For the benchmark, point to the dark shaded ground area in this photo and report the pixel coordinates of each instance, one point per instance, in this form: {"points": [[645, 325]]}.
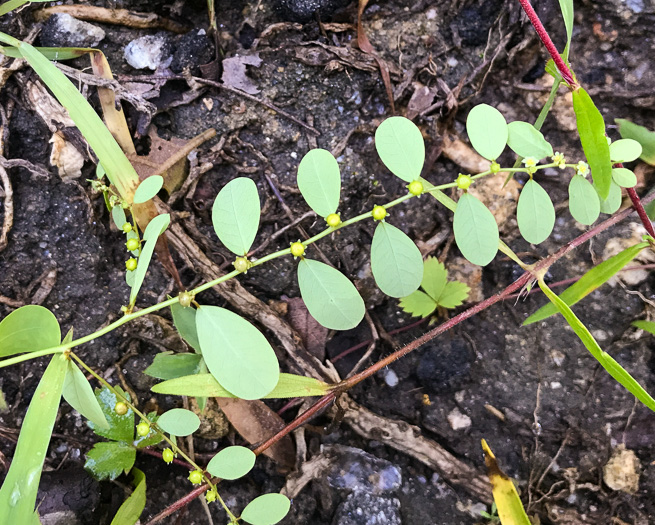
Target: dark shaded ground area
{"points": [[551, 415]]}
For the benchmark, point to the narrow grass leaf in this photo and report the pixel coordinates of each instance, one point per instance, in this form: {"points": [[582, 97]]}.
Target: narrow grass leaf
{"points": [[109, 460], [78, 393], [418, 304], [205, 385], [476, 231], [19, 489], [525, 140], [589, 282], [179, 422], [232, 463], [169, 366], [184, 319], [645, 137], [235, 215], [584, 202], [591, 127], [131, 509], [155, 228], [329, 296], [624, 177], [396, 262], [606, 361], [535, 213], [401, 148], [487, 131], [613, 201], [267, 509], [9, 6], [566, 6], [28, 329], [319, 181], [236, 353], [649, 326], [121, 428], [508, 503], [625, 150], [148, 188]]}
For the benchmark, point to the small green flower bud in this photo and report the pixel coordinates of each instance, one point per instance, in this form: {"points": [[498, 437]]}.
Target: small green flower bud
{"points": [[333, 220], [463, 181], [495, 167], [130, 264], [127, 227], [297, 249], [132, 244], [195, 477], [185, 299], [241, 264], [210, 495], [143, 429], [167, 455], [120, 408], [379, 213], [415, 187]]}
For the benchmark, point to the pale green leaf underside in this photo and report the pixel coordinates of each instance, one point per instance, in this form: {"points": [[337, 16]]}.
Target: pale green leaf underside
{"points": [[118, 216], [329, 296], [487, 131], [169, 366], [535, 213], [319, 181], [613, 201], [584, 202], [401, 148], [78, 393], [148, 188], [236, 353], [205, 385], [396, 262], [591, 280], [235, 215], [232, 463], [624, 177], [476, 231], [184, 319], [155, 228], [644, 136], [267, 509], [28, 329], [525, 140], [19, 489], [418, 304], [625, 150], [179, 422]]}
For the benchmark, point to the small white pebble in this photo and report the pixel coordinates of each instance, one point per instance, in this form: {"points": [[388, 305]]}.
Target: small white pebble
{"points": [[391, 378]]}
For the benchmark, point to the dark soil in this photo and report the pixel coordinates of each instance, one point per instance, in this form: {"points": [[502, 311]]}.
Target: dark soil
{"points": [[552, 416]]}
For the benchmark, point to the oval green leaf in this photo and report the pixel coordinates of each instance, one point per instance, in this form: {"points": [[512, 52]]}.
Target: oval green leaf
{"points": [[155, 228], [184, 319], [78, 393], [487, 131], [28, 329], [591, 127], [625, 150], [396, 262], [644, 136], [319, 181], [148, 188], [179, 422], [535, 213], [267, 509], [236, 353], [232, 463], [170, 366], [205, 385], [401, 148], [329, 296], [613, 201], [235, 215], [624, 177], [118, 216], [584, 202], [476, 231], [525, 140]]}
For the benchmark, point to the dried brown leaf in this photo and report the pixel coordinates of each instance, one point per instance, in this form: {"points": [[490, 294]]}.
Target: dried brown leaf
{"points": [[313, 334]]}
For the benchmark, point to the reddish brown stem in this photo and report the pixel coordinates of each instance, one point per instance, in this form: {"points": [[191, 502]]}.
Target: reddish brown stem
{"points": [[645, 220], [550, 47], [180, 503]]}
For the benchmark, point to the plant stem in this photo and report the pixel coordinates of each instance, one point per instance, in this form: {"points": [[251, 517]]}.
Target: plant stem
{"points": [[548, 43], [637, 204]]}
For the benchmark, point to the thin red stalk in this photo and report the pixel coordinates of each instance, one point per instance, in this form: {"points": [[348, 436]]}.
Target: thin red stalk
{"points": [[645, 220], [157, 454], [548, 43], [345, 385]]}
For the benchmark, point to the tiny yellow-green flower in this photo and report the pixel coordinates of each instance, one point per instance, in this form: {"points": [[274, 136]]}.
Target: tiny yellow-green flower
{"points": [[297, 249], [379, 213]]}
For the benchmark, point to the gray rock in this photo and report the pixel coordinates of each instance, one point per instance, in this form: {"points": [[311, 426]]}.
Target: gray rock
{"points": [[366, 509], [148, 51], [357, 471], [62, 30]]}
